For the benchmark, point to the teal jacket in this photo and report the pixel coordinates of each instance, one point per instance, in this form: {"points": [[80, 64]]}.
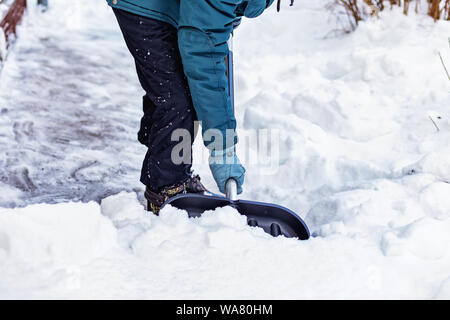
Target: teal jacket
{"points": [[204, 27], [163, 10]]}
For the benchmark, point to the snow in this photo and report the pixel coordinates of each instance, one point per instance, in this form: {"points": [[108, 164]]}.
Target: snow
{"points": [[360, 159], [4, 7], [66, 114]]}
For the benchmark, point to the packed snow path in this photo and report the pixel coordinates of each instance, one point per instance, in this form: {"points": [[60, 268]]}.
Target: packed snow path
{"points": [[364, 156], [70, 109]]}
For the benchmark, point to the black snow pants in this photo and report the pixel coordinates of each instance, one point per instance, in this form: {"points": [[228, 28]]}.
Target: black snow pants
{"points": [[167, 103]]}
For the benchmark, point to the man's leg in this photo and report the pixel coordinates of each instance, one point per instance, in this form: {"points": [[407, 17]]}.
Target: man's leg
{"points": [[146, 121], [167, 103]]}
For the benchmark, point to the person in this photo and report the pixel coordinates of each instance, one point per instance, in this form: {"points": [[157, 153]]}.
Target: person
{"points": [[179, 48]]}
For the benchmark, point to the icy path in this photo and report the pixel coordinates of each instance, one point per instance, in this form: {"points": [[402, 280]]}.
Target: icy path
{"points": [[69, 110], [360, 158]]}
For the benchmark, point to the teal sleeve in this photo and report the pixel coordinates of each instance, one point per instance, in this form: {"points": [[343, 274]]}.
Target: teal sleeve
{"points": [[204, 29]]}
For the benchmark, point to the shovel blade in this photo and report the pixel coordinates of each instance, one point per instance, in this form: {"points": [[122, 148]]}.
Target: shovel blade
{"points": [[197, 204], [273, 219]]}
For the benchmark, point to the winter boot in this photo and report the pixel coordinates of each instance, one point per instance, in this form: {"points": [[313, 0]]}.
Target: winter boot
{"points": [[156, 199]]}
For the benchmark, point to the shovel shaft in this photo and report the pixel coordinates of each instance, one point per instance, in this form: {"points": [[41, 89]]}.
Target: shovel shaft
{"points": [[230, 70], [231, 189], [231, 185]]}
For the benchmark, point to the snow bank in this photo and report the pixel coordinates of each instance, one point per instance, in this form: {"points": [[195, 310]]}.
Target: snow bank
{"points": [[64, 233], [77, 253], [360, 154]]}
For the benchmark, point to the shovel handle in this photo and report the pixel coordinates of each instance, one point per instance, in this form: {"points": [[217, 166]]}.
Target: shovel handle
{"points": [[231, 184], [231, 189]]}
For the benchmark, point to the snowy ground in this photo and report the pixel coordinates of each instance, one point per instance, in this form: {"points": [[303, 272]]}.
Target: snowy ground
{"points": [[69, 110], [4, 6], [361, 160]]}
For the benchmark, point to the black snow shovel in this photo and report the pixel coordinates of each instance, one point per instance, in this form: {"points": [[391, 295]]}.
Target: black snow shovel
{"points": [[273, 219]]}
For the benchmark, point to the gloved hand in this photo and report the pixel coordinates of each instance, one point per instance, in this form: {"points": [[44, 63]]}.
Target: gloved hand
{"points": [[224, 164], [253, 8]]}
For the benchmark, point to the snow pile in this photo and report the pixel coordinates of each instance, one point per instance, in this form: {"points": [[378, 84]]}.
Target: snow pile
{"points": [[364, 157], [73, 251], [358, 117], [64, 233]]}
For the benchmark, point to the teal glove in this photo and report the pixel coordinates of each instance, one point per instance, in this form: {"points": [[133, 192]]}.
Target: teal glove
{"points": [[253, 8], [225, 164]]}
